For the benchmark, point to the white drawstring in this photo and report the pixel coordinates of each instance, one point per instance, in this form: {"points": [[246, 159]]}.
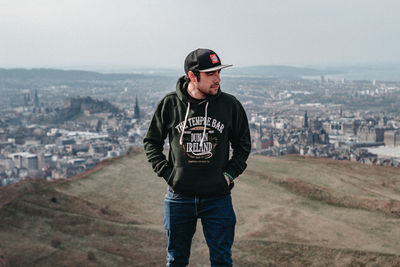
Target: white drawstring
{"points": [[205, 125], [184, 124]]}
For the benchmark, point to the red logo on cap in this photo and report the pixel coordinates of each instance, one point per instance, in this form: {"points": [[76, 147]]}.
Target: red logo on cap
{"points": [[214, 58]]}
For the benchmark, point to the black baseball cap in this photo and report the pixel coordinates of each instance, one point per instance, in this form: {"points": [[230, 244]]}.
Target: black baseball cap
{"points": [[203, 60]]}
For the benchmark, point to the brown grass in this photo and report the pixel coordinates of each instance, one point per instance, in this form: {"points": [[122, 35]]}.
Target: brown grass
{"points": [[291, 211], [387, 206]]}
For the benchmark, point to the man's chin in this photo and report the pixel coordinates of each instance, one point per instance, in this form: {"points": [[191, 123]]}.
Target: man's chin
{"points": [[213, 91]]}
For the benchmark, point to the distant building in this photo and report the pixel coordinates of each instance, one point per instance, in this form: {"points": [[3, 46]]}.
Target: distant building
{"points": [[305, 120], [65, 141], [27, 97], [137, 109], [30, 162], [316, 124], [25, 160], [367, 133], [36, 100], [44, 161], [100, 148], [336, 127], [298, 121], [392, 138]]}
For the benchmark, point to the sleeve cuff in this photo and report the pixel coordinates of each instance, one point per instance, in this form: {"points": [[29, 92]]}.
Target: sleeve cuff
{"points": [[229, 176]]}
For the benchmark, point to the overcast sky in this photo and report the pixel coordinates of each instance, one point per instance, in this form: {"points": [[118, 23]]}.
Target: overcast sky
{"points": [[62, 33]]}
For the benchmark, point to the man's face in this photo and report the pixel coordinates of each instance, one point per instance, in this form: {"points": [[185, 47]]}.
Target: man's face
{"points": [[209, 82]]}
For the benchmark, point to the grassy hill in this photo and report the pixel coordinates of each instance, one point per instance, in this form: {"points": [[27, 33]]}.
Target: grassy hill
{"points": [[291, 211]]}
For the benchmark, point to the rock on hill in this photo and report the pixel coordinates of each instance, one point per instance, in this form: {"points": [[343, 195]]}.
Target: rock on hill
{"points": [[291, 211], [81, 106]]}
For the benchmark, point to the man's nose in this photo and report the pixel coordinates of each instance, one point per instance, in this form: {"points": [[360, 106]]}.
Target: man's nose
{"points": [[217, 76]]}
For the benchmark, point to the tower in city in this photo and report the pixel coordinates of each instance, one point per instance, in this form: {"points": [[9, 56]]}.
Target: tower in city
{"points": [[305, 120], [137, 109], [36, 100]]}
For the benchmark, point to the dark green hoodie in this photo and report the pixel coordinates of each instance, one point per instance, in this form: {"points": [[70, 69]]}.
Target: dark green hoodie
{"points": [[198, 155]]}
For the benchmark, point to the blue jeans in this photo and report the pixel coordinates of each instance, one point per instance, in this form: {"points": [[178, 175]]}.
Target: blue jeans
{"points": [[217, 217]]}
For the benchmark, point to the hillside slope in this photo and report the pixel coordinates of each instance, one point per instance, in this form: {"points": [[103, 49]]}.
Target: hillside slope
{"points": [[290, 211]]}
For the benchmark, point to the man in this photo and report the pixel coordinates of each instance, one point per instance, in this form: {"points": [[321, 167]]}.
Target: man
{"points": [[201, 123]]}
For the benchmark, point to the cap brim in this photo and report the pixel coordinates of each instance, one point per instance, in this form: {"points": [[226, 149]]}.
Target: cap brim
{"points": [[216, 68]]}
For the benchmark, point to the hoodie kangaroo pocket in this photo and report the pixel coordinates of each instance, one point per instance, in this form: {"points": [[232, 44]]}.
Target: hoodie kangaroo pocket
{"points": [[199, 181]]}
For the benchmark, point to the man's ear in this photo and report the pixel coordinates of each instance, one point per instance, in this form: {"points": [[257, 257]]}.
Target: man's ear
{"points": [[192, 77]]}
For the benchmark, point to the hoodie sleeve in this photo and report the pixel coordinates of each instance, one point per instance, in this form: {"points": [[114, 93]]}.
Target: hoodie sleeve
{"points": [[154, 141], [240, 142]]}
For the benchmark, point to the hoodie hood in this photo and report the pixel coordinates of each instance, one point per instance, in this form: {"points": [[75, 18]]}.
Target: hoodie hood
{"points": [[183, 95]]}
